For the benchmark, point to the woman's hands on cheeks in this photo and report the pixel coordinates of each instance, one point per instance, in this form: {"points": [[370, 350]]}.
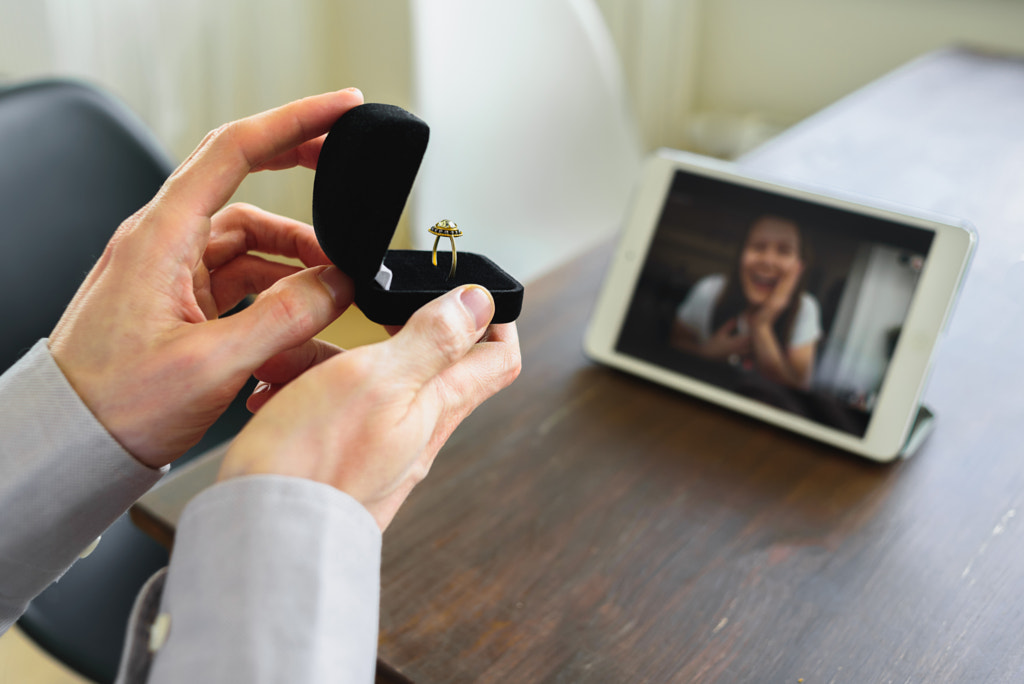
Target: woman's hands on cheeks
{"points": [[141, 341], [371, 420], [776, 361], [767, 313]]}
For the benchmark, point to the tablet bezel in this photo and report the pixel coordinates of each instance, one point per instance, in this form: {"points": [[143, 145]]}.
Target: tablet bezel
{"points": [[901, 389]]}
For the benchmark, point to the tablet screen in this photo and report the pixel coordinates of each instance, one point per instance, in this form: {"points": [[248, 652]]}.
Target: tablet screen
{"points": [[793, 304]]}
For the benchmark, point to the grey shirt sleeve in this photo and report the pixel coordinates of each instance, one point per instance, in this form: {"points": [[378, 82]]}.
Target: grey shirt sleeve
{"points": [[698, 307], [63, 479], [272, 579]]}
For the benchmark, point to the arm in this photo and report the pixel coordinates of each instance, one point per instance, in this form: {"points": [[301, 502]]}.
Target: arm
{"points": [[143, 347], [141, 356], [53, 450], [793, 368], [683, 338], [691, 328], [275, 574], [271, 579], [719, 347]]}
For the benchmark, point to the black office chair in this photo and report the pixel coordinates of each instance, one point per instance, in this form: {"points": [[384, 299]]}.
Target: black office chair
{"points": [[74, 163]]}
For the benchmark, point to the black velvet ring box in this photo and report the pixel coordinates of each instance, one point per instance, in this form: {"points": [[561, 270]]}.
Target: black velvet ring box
{"points": [[363, 178]]}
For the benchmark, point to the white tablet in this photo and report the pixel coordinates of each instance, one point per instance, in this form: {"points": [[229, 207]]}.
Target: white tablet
{"points": [[815, 313]]}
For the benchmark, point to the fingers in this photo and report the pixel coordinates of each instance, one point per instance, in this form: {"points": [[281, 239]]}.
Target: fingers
{"points": [[243, 276], [370, 422], [208, 178], [742, 345], [488, 367], [285, 316], [439, 334], [285, 367], [242, 228], [784, 289], [727, 328], [291, 363], [305, 155], [489, 364], [263, 393]]}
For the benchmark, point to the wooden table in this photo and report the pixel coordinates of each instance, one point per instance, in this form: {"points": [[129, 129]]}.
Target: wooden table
{"points": [[588, 526]]}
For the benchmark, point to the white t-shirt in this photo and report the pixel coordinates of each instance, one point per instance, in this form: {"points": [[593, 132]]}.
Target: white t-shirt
{"points": [[698, 308]]}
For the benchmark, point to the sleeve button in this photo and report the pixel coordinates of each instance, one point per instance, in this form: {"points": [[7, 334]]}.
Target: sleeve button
{"points": [[159, 631], [90, 548]]}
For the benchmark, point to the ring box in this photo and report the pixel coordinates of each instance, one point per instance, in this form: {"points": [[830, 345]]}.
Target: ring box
{"points": [[365, 172]]}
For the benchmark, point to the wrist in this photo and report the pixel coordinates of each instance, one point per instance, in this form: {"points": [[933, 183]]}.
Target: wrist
{"points": [[126, 417], [762, 321]]}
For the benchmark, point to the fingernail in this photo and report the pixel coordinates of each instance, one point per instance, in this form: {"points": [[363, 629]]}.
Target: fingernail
{"points": [[260, 388], [478, 302], [354, 91], [336, 283]]}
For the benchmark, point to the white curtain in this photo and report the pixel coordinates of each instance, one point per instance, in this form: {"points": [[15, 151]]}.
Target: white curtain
{"points": [[659, 44], [877, 297], [185, 66]]}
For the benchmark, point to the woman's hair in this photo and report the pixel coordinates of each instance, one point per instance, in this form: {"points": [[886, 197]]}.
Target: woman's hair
{"points": [[732, 302]]}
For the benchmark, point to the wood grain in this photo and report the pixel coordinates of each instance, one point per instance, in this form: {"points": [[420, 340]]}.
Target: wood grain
{"points": [[585, 525]]}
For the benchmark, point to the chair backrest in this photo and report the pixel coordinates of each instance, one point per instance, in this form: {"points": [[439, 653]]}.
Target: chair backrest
{"points": [[533, 151], [74, 163]]}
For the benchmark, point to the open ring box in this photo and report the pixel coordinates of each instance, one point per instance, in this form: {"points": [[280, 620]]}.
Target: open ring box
{"points": [[365, 172]]}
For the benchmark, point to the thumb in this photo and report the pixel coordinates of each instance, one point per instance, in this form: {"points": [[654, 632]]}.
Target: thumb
{"points": [[286, 315], [441, 333]]}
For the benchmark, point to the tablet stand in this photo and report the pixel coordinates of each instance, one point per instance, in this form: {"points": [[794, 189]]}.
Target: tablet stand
{"points": [[924, 421]]}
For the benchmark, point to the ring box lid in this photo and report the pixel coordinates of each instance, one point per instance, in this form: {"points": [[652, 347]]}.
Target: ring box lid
{"points": [[364, 175]]}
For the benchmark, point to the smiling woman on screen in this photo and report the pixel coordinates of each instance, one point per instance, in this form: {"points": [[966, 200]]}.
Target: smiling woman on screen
{"points": [[759, 317]]}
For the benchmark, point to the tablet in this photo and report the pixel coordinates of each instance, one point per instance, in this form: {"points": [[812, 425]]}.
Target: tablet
{"points": [[813, 312]]}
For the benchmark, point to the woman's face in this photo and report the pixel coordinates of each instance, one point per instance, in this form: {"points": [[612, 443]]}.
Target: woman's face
{"points": [[771, 252]]}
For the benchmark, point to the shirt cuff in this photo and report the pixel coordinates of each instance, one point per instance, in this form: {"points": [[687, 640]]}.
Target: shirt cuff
{"points": [[63, 478], [272, 578]]}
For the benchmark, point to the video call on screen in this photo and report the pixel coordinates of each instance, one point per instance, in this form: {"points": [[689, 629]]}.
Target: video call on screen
{"points": [[789, 303]]}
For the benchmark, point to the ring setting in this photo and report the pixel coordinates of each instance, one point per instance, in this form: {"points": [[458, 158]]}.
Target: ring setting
{"points": [[449, 230]]}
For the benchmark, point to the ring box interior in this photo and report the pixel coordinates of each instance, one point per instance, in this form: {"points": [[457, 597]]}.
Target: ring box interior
{"points": [[366, 169]]}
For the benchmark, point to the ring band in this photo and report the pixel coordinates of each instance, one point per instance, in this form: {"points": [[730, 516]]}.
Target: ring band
{"points": [[451, 231]]}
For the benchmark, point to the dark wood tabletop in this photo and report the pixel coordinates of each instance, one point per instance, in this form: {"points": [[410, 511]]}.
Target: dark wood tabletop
{"points": [[588, 526]]}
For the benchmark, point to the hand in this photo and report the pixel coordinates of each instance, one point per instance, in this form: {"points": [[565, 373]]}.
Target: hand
{"points": [[141, 341], [766, 314], [370, 421], [726, 342]]}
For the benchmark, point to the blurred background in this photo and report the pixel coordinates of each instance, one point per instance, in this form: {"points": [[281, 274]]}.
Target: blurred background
{"points": [[712, 76]]}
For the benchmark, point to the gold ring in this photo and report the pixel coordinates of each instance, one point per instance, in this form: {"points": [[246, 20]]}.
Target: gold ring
{"points": [[451, 231]]}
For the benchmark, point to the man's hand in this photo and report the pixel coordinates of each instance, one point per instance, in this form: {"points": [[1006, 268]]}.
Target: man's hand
{"points": [[370, 421], [142, 343]]}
